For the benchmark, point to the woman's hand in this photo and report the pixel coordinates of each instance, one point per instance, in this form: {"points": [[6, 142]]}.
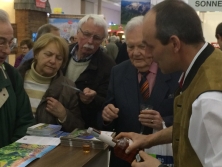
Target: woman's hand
{"points": [[56, 108]]}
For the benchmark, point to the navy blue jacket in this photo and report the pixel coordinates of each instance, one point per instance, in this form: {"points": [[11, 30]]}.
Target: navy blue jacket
{"points": [[124, 93]]}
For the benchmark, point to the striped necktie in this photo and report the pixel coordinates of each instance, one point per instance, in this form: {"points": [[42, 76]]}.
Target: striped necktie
{"points": [[144, 86]]}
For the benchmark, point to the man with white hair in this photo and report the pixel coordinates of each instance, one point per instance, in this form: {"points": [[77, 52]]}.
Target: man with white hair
{"points": [[89, 67], [15, 110], [136, 83], [112, 49]]}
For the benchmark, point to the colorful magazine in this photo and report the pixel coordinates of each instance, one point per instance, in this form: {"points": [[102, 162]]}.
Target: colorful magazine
{"points": [[43, 129], [77, 137], [21, 153]]}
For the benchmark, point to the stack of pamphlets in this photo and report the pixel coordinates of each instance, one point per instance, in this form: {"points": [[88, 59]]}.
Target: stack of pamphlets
{"points": [[79, 136], [26, 149], [42, 129]]}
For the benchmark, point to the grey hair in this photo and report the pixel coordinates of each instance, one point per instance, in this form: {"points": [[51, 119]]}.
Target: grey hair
{"points": [[112, 39], [46, 28], [134, 22], [97, 19], [4, 16]]}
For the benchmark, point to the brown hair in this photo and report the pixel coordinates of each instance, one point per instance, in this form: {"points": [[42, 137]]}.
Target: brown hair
{"points": [[27, 42], [46, 28]]}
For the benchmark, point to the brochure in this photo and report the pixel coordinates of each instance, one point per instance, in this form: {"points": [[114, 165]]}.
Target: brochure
{"points": [[25, 150]]}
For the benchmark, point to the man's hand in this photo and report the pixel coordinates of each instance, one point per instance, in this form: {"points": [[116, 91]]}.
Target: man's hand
{"points": [[149, 161], [146, 141], [56, 108], [139, 141], [110, 112], [87, 96], [151, 118]]}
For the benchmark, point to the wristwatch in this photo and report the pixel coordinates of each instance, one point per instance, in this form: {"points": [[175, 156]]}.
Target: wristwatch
{"points": [[162, 165]]}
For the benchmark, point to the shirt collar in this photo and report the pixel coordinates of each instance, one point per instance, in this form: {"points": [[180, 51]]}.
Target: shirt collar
{"points": [[192, 62], [153, 68], [75, 57]]}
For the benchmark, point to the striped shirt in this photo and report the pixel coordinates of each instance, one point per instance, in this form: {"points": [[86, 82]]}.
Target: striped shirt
{"points": [[35, 86]]}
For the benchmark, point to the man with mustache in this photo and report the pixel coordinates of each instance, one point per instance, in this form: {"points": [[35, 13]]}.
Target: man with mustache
{"points": [[89, 67]]}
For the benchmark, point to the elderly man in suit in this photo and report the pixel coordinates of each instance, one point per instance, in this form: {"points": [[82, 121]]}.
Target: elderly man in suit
{"points": [[123, 111]]}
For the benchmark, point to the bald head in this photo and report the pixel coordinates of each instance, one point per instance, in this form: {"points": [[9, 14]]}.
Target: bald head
{"points": [[6, 36], [176, 18], [4, 17]]}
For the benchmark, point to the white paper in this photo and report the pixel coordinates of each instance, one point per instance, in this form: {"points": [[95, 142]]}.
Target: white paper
{"points": [[39, 140], [108, 133]]}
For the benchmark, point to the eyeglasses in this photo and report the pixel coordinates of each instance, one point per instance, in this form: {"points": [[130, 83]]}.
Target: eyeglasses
{"points": [[23, 47], [4, 42], [88, 35]]}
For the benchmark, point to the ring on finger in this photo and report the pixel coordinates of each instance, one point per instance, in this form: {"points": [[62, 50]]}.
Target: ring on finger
{"points": [[151, 121]]}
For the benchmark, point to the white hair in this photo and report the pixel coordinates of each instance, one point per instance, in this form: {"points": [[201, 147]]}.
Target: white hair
{"points": [[112, 39], [4, 16], [97, 19], [134, 22]]}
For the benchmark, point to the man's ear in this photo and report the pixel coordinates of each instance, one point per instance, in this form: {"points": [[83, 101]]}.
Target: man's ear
{"points": [[175, 42]]}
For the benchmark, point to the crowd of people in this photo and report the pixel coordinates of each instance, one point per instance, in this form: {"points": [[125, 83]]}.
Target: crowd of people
{"points": [[165, 74]]}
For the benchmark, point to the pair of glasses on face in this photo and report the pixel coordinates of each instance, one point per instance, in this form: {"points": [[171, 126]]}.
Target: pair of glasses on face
{"points": [[4, 43], [23, 48], [88, 35]]}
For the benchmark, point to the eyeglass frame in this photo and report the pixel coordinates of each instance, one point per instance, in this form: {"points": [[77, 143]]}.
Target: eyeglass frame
{"points": [[88, 35], [24, 47], [4, 42]]}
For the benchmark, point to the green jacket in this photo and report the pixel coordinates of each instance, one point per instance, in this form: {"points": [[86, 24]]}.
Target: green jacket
{"points": [[15, 114]]}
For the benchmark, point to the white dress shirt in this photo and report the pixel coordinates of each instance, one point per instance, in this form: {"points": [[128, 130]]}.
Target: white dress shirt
{"points": [[205, 128]]}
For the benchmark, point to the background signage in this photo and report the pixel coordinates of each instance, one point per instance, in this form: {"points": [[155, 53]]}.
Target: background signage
{"points": [[40, 3], [206, 5]]}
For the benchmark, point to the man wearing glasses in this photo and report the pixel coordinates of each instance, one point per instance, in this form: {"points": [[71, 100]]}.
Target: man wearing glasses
{"points": [[89, 68], [15, 110]]}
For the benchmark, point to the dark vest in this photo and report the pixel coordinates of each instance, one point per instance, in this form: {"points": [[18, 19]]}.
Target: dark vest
{"points": [[204, 76]]}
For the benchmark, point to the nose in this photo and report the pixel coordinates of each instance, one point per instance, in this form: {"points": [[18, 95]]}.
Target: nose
{"points": [[90, 39], [53, 59], [7, 49], [136, 51]]}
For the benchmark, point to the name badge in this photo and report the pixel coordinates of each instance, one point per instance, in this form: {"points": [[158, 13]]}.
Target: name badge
{"points": [[3, 96]]}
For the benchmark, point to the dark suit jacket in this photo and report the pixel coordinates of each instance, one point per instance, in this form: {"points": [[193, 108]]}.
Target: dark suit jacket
{"points": [[124, 93], [122, 54], [96, 77]]}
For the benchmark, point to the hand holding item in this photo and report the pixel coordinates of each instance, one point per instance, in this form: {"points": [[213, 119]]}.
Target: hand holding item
{"points": [[56, 108], [87, 96], [148, 161], [139, 141], [151, 118], [110, 112]]}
